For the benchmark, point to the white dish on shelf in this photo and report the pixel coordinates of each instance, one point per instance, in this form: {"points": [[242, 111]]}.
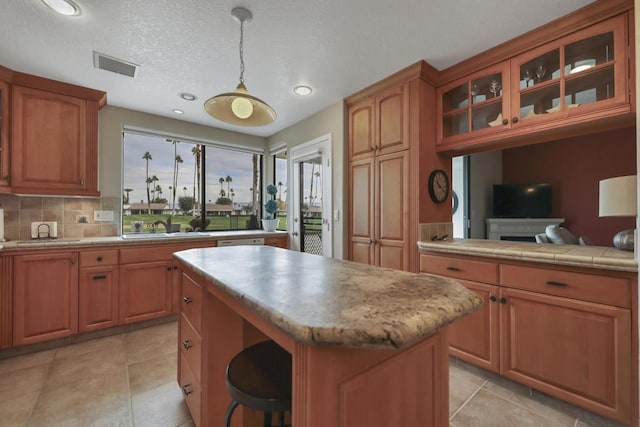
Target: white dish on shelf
{"points": [[530, 113], [497, 121], [556, 109]]}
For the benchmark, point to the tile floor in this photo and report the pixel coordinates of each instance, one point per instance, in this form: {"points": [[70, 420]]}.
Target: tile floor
{"points": [[129, 379]]}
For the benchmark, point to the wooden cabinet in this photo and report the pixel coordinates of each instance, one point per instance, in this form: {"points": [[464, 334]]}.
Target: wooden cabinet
{"points": [[146, 282], [569, 84], [391, 150], [278, 242], [474, 338], [4, 136], [45, 297], [563, 330], [190, 344], [98, 290]]}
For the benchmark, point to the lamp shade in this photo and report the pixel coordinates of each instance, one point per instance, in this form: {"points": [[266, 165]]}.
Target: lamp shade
{"points": [[618, 196], [240, 108]]}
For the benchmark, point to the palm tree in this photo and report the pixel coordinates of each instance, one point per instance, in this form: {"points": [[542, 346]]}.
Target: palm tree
{"points": [[185, 191], [126, 200], [158, 192], [147, 156], [280, 184], [231, 194], [196, 175], [177, 161], [228, 180], [221, 181]]}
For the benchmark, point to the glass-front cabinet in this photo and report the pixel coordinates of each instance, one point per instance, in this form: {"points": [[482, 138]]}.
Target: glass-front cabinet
{"points": [[476, 104], [582, 73], [4, 137], [573, 80]]}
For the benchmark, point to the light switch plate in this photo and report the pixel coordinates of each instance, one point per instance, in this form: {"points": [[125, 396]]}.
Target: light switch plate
{"points": [[103, 216], [44, 229]]}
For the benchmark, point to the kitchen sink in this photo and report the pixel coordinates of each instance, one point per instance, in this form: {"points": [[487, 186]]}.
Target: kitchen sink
{"points": [[144, 236]]}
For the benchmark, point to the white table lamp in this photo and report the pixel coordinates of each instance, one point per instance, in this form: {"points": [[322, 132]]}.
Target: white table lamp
{"points": [[618, 198]]}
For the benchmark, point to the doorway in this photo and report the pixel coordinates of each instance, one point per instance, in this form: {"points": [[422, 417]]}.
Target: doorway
{"points": [[310, 225]]}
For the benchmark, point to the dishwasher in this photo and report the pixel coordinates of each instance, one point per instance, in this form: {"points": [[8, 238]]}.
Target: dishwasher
{"points": [[237, 242]]}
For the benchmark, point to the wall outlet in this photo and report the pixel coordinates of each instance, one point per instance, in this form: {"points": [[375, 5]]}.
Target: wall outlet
{"points": [[105, 216], [44, 229]]}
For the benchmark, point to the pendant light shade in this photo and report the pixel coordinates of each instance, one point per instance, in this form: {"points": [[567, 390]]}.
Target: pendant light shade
{"points": [[239, 108]]}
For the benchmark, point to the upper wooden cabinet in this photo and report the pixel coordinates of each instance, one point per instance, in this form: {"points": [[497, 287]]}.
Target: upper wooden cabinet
{"points": [[55, 143], [4, 136], [380, 125], [575, 82]]}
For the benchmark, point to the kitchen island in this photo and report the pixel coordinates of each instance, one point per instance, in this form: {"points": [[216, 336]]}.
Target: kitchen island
{"points": [[368, 344]]}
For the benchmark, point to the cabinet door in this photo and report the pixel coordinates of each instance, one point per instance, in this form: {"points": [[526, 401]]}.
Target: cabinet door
{"points": [[391, 241], [4, 137], [145, 290], [475, 338], [45, 296], [392, 120], [361, 216], [576, 79], [361, 128], [477, 106], [98, 298], [54, 140], [577, 351]]}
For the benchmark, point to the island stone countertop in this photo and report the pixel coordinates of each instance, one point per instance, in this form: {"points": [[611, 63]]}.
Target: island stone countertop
{"points": [[576, 255], [322, 301]]}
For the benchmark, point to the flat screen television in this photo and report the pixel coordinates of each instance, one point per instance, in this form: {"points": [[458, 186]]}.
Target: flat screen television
{"points": [[521, 200]]}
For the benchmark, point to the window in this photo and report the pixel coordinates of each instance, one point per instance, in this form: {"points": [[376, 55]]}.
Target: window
{"points": [[171, 178], [280, 181]]}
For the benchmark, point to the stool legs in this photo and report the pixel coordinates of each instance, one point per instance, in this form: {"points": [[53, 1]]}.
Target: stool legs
{"points": [[232, 407]]}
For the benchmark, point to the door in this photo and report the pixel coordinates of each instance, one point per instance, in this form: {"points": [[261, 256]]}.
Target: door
{"points": [[311, 224], [460, 197]]}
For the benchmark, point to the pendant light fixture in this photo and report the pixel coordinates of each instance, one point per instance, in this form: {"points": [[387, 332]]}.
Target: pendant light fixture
{"points": [[240, 108]]}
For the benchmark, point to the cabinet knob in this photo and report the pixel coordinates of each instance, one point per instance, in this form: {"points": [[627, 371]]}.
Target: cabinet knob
{"points": [[73, 261], [493, 298], [99, 258], [82, 181], [187, 300], [295, 233], [186, 344], [503, 300], [169, 268], [375, 242], [514, 120], [505, 121], [175, 267], [186, 389]]}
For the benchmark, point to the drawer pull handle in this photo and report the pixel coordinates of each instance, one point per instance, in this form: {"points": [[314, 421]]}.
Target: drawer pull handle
{"points": [[554, 283], [186, 344], [493, 298], [453, 269], [186, 389], [99, 277], [187, 300], [503, 300], [99, 258]]}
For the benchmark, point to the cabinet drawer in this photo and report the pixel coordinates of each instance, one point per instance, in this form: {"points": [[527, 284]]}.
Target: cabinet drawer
{"points": [[190, 346], [479, 271], [98, 258], [191, 301], [587, 287], [191, 390]]}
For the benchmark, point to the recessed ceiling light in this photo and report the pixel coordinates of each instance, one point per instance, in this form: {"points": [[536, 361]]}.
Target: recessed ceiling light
{"points": [[64, 7], [188, 96], [178, 111], [303, 90]]}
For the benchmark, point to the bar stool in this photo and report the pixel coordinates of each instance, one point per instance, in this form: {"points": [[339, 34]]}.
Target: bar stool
{"points": [[259, 377]]}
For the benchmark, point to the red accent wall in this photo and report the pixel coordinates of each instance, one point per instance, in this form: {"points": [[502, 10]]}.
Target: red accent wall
{"points": [[574, 167]]}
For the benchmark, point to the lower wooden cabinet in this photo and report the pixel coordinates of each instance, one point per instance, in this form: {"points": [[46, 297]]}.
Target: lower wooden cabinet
{"points": [[45, 297], [145, 290], [98, 298], [564, 331]]}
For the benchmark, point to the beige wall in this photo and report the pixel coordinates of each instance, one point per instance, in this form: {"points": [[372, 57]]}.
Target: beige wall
{"points": [[112, 121], [331, 120]]}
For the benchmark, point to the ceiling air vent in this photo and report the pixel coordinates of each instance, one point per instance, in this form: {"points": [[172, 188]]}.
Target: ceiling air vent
{"points": [[115, 65]]}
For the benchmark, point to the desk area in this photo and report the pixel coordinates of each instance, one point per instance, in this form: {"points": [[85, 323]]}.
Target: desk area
{"points": [[368, 344]]}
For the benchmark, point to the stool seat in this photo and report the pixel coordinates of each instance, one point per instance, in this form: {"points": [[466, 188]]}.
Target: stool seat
{"points": [[259, 377]]}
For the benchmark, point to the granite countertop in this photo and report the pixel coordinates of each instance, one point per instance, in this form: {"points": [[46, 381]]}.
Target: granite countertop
{"points": [[15, 245], [576, 255], [329, 302]]}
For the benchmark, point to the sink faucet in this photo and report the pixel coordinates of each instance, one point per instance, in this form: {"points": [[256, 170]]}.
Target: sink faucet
{"points": [[167, 225]]}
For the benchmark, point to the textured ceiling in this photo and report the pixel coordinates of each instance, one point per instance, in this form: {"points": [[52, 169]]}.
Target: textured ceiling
{"points": [[336, 46]]}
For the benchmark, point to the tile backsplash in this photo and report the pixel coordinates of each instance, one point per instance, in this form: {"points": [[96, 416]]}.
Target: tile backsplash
{"points": [[73, 215]]}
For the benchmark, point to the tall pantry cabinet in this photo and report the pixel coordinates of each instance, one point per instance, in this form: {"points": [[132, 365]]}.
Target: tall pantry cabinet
{"points": [[392, 141]]}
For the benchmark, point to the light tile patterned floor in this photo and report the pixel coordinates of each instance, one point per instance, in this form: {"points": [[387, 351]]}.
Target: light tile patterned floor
{"points": [[129, 380]]}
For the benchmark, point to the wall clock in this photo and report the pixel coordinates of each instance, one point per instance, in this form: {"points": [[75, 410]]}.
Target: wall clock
{"points": [[438, 185]]}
